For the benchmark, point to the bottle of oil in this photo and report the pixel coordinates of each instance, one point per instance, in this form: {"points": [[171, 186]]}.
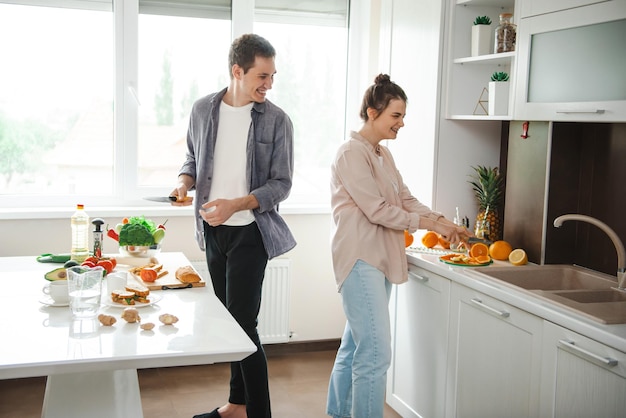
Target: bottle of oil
{"points": [[80, 234]]}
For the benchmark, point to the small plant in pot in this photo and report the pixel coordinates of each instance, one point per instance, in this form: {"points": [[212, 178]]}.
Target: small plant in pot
{"points": [[499, 94], [499, 76], [481, 36], [482, 20]]}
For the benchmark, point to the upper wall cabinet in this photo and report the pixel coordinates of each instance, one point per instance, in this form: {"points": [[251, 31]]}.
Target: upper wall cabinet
{"points": [[571, 64], [537, 7], [468, 74]]}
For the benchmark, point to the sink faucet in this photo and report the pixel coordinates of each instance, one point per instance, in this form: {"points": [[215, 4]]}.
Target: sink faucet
{"points": [[619, 246]]}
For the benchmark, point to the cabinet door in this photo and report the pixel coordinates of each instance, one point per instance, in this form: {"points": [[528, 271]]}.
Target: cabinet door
{"points": [[571, 63], [537, 7], [581, 377], [419, 315], [494, 368]]}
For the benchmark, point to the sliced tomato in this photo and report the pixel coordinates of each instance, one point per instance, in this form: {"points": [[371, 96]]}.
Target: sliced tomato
{"points": [[106, 264]]}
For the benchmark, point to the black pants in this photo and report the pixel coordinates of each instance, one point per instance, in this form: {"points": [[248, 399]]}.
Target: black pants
{"points": [[237, 259]]}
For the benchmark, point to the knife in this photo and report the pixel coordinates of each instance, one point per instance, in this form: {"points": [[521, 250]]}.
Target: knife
{"points": [[163, 199], [474, 240]]}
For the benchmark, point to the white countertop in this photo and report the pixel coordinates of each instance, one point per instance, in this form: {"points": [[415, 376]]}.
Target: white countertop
{"points": [[611, 335], [42, 340]]}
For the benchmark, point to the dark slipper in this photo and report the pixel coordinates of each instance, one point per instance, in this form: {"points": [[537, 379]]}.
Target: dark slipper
{"points": [[212, 414]]}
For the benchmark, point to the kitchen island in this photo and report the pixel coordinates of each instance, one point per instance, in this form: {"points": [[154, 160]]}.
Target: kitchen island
{"points": [[92, 369], [467, 345]]}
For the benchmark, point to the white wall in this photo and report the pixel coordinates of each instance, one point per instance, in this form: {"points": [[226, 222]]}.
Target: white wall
{"points": [[316, 312]]}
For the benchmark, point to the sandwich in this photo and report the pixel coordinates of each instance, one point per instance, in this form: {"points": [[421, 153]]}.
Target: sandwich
{"points": [[141, 292], [124, 297]]}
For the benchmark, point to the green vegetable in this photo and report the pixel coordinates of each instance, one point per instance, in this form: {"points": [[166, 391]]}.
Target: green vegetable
{"points": [[140, 220], [482, 20], [136, 234]]}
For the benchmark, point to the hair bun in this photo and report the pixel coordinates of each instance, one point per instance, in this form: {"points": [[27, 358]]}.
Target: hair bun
{"points": [[382, 79]]}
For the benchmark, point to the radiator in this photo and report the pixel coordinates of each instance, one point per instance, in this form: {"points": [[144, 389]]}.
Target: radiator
{"points": [[273, 324]]}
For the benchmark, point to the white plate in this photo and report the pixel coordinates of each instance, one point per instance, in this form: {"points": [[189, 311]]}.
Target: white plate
{"points": [[152, 299], [48, 301]]}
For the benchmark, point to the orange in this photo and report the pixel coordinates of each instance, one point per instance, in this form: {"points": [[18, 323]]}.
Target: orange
{"points": [[518, 257], [430, 239], [479, 249], [482, 259], [408, 238], [443, 242], [500, 250]]}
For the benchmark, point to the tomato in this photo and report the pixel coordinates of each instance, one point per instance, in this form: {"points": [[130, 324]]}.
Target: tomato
{"points": [[114, 261], [125, 221], [106, 264], [92, 259], [89, 264], [148, 275]]}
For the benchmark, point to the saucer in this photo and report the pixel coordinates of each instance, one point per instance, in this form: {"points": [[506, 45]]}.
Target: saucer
{"points": [[48, 301]]}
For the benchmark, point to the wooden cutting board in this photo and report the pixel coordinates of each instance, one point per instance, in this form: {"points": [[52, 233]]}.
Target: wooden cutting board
{"points": [[169, 281]]}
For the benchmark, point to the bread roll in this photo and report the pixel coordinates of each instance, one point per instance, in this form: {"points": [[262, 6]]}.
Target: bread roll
{"points": [[187, 274]]}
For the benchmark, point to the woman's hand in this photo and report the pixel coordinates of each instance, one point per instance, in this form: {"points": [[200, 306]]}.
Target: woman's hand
{"points": [[448, 230]]}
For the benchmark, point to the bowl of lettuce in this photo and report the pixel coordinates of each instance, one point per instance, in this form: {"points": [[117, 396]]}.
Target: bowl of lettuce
{"points": [[139, 238]]}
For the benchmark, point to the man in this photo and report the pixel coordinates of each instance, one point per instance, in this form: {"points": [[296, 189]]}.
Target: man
{"points": [[240, 162]]}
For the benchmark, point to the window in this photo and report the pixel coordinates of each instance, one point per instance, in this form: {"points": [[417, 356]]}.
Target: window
{"points": [[56, 84], [98, 112], [310, 85], [177, 66]]}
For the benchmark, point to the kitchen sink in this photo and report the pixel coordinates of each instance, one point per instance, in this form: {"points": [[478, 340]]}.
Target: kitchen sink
{"points": [[595, 296], [584, 291], [551, 277]]}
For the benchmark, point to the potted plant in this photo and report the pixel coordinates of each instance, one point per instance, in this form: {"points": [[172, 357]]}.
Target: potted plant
{"points": [[499, 94], [481, 36]]}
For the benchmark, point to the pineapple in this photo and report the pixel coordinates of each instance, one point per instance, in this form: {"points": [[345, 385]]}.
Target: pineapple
{"points": [[487, 185]]}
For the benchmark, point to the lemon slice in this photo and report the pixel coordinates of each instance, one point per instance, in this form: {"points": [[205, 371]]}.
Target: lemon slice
{"points": [[518, 257]]}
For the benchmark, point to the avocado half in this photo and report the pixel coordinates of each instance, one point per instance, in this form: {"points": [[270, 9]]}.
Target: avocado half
{"points": [[56, 274]]}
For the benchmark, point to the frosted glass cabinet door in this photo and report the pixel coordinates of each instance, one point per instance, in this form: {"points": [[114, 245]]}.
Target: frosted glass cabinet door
{"points": [[579, 64], [572, 65]]}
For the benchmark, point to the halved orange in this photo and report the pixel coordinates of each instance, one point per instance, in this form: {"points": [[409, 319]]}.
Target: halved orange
{"points": [[482, 259], [479, 249], [430, 239], [408, 238]]}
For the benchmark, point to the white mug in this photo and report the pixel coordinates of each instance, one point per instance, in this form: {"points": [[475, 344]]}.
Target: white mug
{"points": [[57, 290], [116, 281]]}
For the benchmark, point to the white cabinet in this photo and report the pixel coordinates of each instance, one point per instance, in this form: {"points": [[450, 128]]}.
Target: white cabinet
{"points": [[419, 317], [494, 359], [537, 7], [571, 65], [468, 77], [581, 377]]}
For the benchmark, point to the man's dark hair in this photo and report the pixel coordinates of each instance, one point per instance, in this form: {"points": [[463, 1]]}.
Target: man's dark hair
{"points": [[246, 48]]}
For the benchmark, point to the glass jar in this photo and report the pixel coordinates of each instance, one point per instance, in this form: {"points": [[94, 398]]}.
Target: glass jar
{"points": [[505, 34]]}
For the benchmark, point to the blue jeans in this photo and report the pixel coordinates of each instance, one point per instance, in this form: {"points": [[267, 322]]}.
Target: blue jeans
{"points": [[358, 380]]}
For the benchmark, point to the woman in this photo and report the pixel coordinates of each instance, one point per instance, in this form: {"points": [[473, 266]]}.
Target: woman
{"points": [[371, 209]]}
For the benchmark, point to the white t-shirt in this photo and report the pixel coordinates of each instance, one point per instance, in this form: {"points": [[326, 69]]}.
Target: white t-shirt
{"points": [[229, 163]]}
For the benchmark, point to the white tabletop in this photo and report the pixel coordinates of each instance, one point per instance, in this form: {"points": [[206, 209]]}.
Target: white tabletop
{"points": [[42, 340]]}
